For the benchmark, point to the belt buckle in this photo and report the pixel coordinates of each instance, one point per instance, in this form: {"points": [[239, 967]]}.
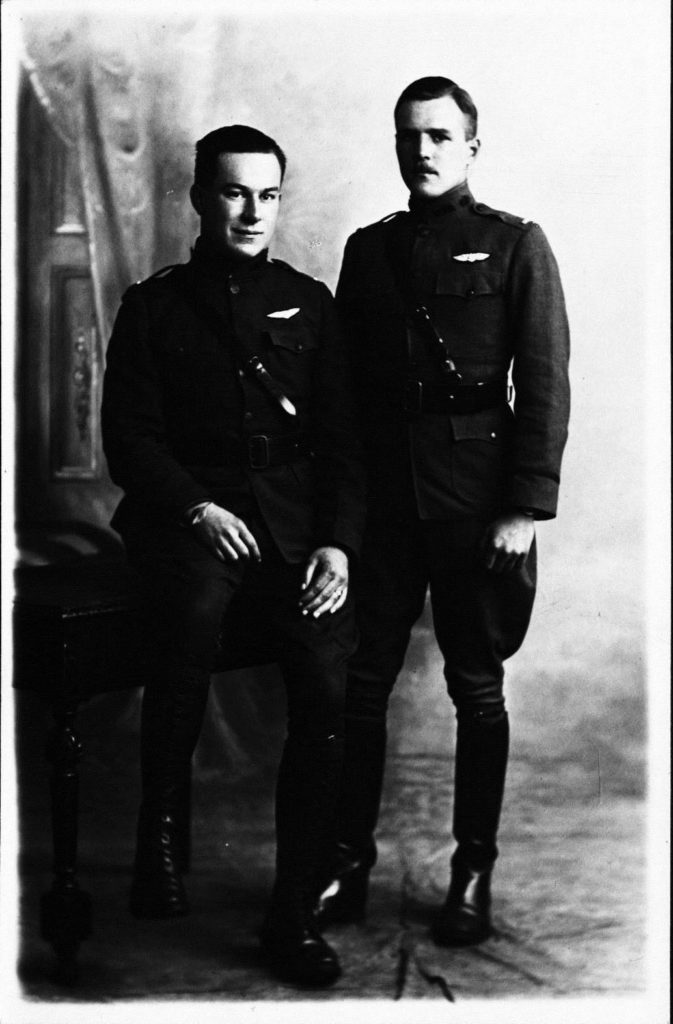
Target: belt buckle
{"points": [[258, 451], [413, 397]]}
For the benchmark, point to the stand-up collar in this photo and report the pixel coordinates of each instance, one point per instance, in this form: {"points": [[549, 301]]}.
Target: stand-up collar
{"points": [[429, 210], [206, 257], [215, 278]]}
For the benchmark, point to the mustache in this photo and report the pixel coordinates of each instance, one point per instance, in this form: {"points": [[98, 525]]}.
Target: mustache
{"points": [[423, 168]]}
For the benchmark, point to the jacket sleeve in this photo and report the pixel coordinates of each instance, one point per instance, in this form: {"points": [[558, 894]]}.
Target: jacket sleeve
{"points": [[350, 312], [347, 297], [541, 347], [133, 422], [340, 474]]}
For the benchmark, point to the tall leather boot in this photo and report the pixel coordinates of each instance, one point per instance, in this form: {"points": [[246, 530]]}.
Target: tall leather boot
{"points": [[481, 763], [344, 887], [306, 795], [172, 715]]}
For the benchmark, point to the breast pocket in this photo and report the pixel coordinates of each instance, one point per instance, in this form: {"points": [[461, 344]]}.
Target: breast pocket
{"points": [[470, 306], [193, 369], [290, 358], [297, 339], [470, 281]]}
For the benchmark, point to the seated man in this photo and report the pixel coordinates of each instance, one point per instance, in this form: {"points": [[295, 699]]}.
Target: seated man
{"points": [[226, 422]]}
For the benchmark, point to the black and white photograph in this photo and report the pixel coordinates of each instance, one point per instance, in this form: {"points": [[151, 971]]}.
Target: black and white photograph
{"points": [[335, 511]]}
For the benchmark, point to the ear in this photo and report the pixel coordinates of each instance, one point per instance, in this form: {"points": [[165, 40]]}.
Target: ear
{"points": [[475, 146], [196, 196]]}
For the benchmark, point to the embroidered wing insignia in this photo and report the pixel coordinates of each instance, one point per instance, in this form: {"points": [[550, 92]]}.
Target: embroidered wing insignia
{"points": [[283, 314], [471, 257]]}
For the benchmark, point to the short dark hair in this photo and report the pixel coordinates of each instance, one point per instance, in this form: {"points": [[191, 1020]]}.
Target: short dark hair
{"points": [[232, 138], [433, 88]]}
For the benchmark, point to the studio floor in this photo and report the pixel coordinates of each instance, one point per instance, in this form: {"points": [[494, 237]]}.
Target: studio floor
{"points": [[568, 895]]}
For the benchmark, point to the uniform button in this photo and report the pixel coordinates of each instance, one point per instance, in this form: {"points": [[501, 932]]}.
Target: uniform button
{"points": [[493, 433], [300, 347], [241, 373], [234, 288], [248, 416], [470, 292]]}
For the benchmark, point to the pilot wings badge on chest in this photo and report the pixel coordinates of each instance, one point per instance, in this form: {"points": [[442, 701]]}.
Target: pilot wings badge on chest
{"points": [[284, 314], [471, 257]]}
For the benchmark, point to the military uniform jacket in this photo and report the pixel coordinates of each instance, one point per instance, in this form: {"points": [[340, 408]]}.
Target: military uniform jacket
{"points": [[179, 409], [491, 285]]}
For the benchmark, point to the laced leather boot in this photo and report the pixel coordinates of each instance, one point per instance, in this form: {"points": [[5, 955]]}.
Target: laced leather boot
{"points": [[157, 890], [171, 721]]}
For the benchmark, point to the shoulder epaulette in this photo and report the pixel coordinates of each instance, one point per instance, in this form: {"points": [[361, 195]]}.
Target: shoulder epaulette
{"points": [[160, 275], [391, 216], [288, 266], [388, 219], [506, 218], [164, 272]]}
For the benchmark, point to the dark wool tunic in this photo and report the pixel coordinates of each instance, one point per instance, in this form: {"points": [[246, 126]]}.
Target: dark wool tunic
{"points": [[491, 285], [179, 409]]}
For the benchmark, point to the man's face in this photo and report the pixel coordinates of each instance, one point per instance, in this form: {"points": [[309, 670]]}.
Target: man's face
{"points": [[239, 208], [432, 150]]}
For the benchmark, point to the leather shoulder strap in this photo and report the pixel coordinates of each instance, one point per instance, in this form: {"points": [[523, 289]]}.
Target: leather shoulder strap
{"points": [[397, 247]]}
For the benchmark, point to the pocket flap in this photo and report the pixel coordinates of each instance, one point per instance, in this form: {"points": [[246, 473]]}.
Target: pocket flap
{"points": [[491, 425], [469, 279], [294, 337]]}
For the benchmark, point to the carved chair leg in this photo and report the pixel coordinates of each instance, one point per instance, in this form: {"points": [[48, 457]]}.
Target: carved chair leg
{"points": [[65, 911], [185, 821]]}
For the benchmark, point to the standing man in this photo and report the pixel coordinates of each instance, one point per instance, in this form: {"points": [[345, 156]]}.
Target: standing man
{"points": [[438, 305], [226, 422]]}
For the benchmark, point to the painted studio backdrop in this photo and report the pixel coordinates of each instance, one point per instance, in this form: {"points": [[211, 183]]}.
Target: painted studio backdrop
{"points": [[110, 109]]}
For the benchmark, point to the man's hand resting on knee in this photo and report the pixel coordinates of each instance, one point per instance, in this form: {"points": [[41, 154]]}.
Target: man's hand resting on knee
{"points": [[325, 582], [225, 534]]}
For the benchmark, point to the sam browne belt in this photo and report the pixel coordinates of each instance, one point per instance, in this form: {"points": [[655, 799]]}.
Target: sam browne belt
{"points": [[264, 450]]}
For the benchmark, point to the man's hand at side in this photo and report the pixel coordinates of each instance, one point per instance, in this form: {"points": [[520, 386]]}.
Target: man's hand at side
{"points": [[225, 535], [507, 541], [325, 582]]}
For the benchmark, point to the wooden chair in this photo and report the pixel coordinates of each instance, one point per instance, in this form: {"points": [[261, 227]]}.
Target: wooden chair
{"points": [[78, 634]]}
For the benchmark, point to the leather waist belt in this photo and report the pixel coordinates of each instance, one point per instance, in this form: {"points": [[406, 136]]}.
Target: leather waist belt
{"points": [[421, 399], [264, 450], [259, 451]]}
